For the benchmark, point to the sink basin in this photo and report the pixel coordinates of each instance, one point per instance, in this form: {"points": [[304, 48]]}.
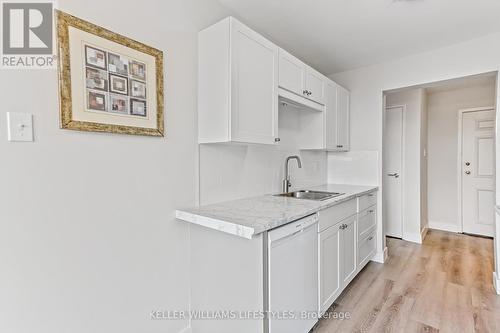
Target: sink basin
{"points": [[310, 195]]}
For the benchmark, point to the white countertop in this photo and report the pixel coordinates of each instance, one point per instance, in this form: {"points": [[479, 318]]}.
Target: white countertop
{"points": [[251, 216]]}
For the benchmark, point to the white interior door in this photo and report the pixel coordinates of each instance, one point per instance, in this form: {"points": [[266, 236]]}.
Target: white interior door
{"points": [[478, 172], [393, 156]]}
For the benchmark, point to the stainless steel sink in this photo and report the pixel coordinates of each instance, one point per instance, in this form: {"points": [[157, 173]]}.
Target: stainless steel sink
{"points": [[310, 195]]}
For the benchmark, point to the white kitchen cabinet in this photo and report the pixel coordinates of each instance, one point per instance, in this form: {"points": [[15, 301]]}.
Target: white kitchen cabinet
{"points": [[329, 254], [330, 116], [343, 106], [315, 85], [292, 73], [348, 246], [336, 117], [299, 78], [337, 251], [367, 248], [238, 82]]}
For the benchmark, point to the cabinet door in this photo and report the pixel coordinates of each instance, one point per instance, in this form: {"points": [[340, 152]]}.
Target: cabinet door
{"points": [[254, 85], [315, 85], [331, 116], [330, 279], [291, 73], [343, 118], [349, 247]]}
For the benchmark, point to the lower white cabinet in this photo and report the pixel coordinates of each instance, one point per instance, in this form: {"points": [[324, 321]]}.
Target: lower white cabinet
{"points": [[330, 275], [338, 261], [366, 248], [347, 242], [348, 249]]}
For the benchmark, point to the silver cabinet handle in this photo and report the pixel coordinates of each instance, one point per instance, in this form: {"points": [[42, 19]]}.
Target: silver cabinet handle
{"points": [[304, 92], [340, 146], [371, 211], [370, 238], [467, 163], [395, 175], [277, 140], [467, 172]]}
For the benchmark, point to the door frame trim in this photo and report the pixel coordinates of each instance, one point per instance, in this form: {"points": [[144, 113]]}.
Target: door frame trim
{"points": [[459, 158], [402, 171]]}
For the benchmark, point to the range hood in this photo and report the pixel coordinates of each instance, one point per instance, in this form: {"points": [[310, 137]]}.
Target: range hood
{"points": [[299, 102]]}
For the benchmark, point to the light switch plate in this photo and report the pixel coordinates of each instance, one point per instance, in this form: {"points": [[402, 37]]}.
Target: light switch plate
{"points": [[19, 126]]}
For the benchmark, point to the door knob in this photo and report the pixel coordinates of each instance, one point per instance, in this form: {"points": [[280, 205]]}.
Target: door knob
{"points": [[395, 175], [467, 163], [467, 172]]}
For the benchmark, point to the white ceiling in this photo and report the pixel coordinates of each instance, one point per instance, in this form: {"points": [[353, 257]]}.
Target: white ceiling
{"points": [[338, 35]]}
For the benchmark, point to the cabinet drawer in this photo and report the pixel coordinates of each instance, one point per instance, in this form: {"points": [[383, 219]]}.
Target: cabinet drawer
{"points": [[366, 248], [367, 219], [367, 200], [331, 216]]}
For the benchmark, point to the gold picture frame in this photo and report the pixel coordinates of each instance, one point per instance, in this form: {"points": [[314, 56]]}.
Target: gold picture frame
{"points": [[128, 114]]}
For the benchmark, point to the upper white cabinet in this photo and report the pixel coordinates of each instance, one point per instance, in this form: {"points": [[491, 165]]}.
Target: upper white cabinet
{"points": [[336, 117], [292, 73], [238, 82], [297, 77], [343, 97], [243, 79], [315, 85]]}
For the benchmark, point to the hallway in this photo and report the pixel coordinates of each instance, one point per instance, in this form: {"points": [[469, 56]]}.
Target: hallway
{"points": [[443, 285]]}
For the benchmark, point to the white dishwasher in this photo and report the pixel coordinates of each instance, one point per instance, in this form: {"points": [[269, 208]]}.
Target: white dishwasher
{"points": [[293, 276]]}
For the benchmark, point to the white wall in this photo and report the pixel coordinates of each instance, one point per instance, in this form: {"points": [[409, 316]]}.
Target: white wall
{"points": [[443, 109], [367, 85], [88, 239], [414, 102]]}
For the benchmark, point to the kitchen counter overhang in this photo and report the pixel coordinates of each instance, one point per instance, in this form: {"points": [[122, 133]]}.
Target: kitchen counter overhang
{"points": [[252, 216]]}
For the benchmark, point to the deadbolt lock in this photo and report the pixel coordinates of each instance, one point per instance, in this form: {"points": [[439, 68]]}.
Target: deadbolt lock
{"points": [[467, 172], [467, 163]]}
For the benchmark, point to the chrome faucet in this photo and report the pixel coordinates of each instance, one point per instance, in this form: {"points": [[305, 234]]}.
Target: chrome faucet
{"points": [[286, 182]]}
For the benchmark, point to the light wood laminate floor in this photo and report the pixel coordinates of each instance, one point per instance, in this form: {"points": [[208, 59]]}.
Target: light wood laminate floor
{"points": [[443, 285]]}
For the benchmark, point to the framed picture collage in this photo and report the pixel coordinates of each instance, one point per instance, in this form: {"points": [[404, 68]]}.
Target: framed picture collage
{"points": [[114, 83]]}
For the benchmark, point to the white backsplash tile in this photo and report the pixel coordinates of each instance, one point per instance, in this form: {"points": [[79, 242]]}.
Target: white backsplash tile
{"points": [[234, 171]]}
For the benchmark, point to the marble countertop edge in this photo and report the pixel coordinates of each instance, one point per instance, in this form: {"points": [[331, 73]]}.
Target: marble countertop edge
{"points": [[249, 217]]}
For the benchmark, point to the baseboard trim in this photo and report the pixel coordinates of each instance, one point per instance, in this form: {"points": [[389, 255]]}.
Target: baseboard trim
{"points": [[444, 226], [496, 282], [423, 233], [380, 257], [413, 237], [186, 330]]}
